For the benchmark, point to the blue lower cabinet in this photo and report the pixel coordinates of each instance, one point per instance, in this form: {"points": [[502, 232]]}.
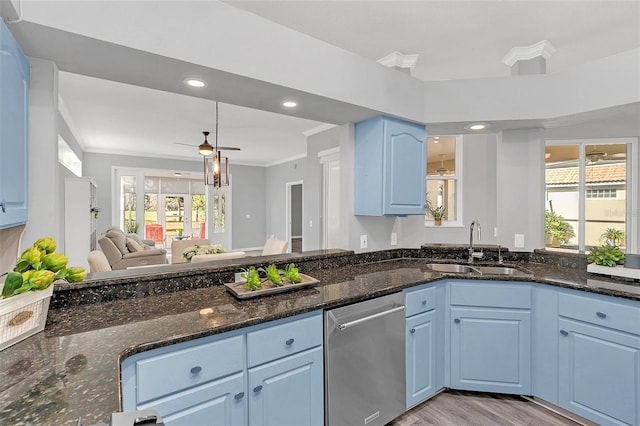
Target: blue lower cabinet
{"points": [[421, 356], [491, 350], [599, 373], [208, 381], [219, 403], [288, 392]]}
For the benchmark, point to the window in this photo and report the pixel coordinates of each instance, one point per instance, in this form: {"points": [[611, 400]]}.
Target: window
{"points": [[587, 183], [444, 172], [601, 193], [68, 158]]}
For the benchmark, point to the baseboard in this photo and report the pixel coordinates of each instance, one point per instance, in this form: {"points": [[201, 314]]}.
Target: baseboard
{"points": [[559, 411]]}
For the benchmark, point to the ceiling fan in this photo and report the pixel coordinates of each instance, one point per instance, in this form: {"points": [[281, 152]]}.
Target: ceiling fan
{"points": [[220, 148]]}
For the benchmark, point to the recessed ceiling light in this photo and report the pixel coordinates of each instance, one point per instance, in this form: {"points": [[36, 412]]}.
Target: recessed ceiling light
{"points": [[289, 104], [193, 82], [177, 174], [477, 126]]}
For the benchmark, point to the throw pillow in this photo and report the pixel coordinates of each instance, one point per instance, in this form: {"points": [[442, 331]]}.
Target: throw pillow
{"points": [[133, 245], [137, 239], [118, 239]]}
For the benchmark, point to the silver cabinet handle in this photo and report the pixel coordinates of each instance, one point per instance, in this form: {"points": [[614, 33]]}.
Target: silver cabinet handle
{"points": [[424, 302], [564, 332], [413, 330], [457, 320], [370, 317], [3, 205], [257, 388], [289, 342], [196, 369], [601, 314], [239, 396]]}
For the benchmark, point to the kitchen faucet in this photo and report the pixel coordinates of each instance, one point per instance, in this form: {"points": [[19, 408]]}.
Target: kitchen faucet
{"points": [[472, 253]]}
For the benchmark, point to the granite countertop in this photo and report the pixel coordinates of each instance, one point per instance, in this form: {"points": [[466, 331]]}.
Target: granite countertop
{"points": [[71, 369]]}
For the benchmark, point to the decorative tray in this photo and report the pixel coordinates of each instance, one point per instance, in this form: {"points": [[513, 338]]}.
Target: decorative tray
{"points": [[241, 292]]}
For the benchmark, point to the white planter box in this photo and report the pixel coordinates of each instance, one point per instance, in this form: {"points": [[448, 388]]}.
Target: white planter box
{"points": [[23, 315], [616, 271]]}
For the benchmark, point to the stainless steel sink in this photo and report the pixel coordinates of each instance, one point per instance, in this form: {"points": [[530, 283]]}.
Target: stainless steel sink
{"points": [[503, 270], [452, 268]]}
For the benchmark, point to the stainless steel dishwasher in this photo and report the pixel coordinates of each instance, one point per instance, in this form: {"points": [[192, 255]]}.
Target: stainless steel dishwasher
{"points": [[364, 362]]}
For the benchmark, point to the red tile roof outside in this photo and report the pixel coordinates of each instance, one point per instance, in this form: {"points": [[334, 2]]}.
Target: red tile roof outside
{"points": [[606, 173]]}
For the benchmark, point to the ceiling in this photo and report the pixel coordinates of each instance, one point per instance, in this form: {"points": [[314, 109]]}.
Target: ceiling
{"points": [[454, 40]]}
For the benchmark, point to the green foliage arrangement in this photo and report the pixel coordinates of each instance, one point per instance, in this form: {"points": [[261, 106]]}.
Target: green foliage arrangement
{"points": [[273, 275], [189, 252], [606, 256], [291, 273], [612, 237], [556, 226], [252, 278], [436, 212]]}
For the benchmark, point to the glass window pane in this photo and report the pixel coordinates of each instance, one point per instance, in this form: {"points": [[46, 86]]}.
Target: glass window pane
{"points": [[128, 204], [605, 206], [562, 202], [442, 193], [174, 215], [441, 155]]}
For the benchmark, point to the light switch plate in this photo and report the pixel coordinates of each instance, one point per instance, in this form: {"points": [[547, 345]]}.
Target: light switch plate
{"points": [[363, 241], [394, 238], [518, 241]]}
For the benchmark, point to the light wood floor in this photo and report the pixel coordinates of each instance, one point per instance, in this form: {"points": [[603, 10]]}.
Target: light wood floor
{"points": [[458, 408]]}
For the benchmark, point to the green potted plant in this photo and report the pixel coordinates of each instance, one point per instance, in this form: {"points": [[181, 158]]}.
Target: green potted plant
{"points": [[612, 237], [556, 229], [436, 212]]}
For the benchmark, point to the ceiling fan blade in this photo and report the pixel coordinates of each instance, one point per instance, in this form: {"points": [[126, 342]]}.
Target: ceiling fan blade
{"points": [[228, 148], [185, 144]]}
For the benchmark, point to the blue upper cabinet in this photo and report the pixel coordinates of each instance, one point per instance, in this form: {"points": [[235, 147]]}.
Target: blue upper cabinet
{"points": [[390, 167], [14, 124]]}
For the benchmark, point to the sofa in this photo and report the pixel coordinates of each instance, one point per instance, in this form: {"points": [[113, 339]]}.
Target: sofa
{"points": [[127, 250], [178, 246]]}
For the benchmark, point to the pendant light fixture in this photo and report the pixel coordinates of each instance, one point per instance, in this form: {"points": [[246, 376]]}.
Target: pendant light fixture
{"points": [[442, 170], [216, 167]]}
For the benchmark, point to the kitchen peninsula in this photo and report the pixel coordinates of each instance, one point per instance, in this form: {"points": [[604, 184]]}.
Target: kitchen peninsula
{"points": [[72, 369]]}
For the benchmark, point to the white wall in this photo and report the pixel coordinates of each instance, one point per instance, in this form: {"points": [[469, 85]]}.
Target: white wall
{"points": [[249, 198], [520, 188], [45, 192], [277, 177]]}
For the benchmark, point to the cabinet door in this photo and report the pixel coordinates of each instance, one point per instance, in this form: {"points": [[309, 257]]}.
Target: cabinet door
{"points": [[405, 168], [390, 167], [288, 392], [219, 403], [14, 126], [491, 350], [421, 357], [599, 373]]}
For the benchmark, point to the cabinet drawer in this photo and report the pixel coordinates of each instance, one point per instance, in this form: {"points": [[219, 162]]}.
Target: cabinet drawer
{"points": [[491, 294], [177, 370], [285, 339], [597, 311], [420, 300]]}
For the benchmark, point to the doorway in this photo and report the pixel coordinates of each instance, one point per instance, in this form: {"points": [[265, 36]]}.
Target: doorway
{"points": [[294, 217]]}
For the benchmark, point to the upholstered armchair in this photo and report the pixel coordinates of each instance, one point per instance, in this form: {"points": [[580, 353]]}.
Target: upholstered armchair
{"points": [[127, 250]]}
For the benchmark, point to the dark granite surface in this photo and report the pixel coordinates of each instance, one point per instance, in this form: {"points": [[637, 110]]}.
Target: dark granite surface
{"points": [[71, 369]]}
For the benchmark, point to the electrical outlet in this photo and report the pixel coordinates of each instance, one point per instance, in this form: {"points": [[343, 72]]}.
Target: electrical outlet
{"points": [[394, 238], [363, 241], [495, 232], [518, 241], [310, 224]]}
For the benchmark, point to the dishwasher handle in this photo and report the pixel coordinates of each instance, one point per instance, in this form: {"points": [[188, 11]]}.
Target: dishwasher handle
{"points": [[344, 326]]}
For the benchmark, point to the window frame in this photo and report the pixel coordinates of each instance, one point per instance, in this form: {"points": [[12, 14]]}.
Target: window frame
{"points": [[632, 219], [458, 178]]}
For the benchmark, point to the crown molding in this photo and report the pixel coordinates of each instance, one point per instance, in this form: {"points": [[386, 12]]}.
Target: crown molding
{"points": [[397, 59], [318, 129], [543, 48]]}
